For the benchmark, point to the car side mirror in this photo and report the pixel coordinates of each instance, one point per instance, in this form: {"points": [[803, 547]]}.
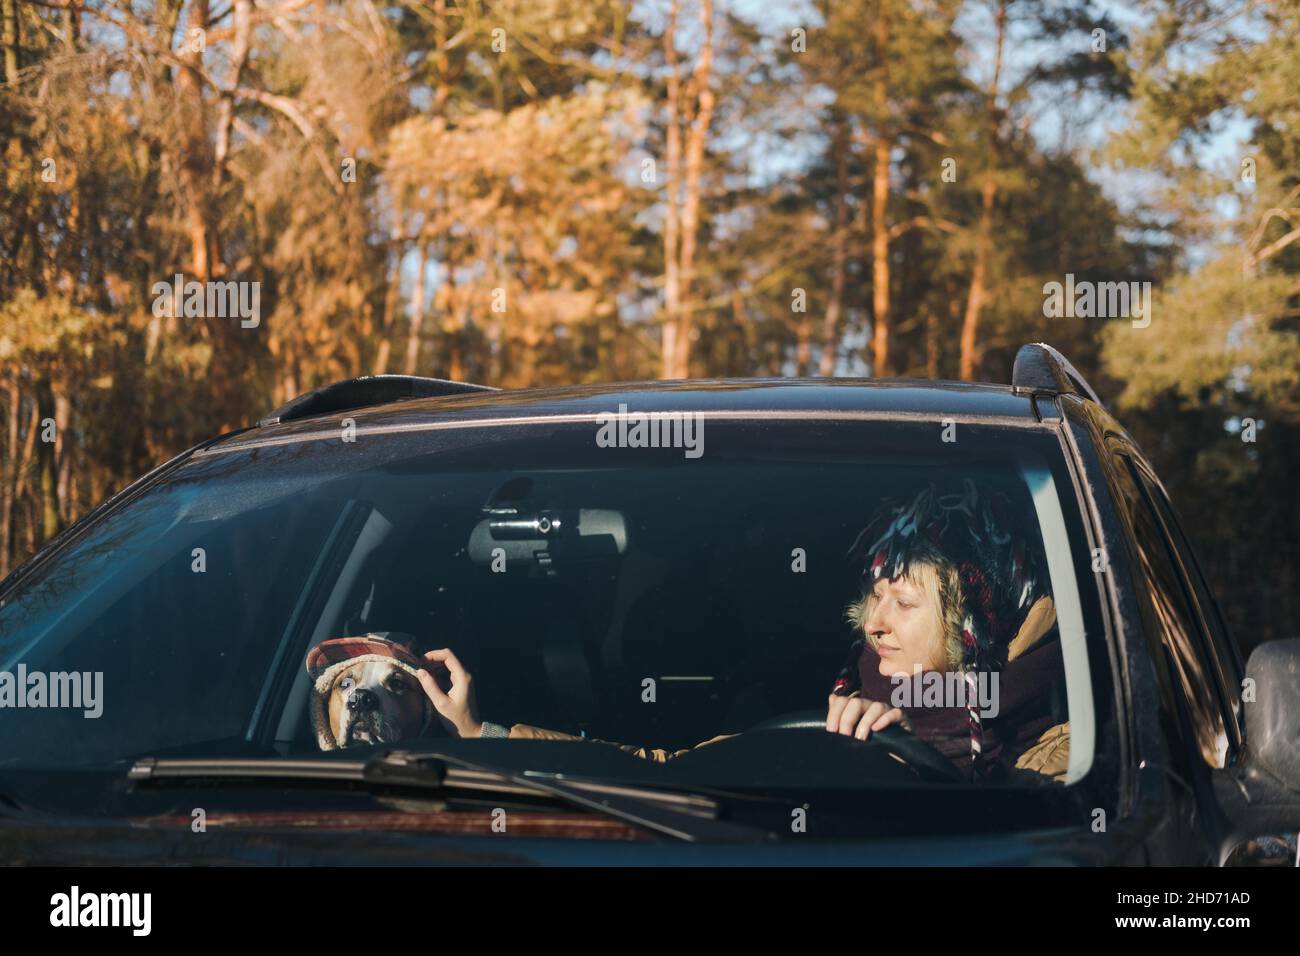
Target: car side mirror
{"points": [[1260, 796], [1273, 716]]}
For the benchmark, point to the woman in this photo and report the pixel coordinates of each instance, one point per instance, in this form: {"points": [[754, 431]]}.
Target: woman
{"points": [[951, 590], [954, 600]]}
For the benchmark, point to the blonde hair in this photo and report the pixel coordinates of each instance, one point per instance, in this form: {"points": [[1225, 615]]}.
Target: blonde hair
{"points": [[940, 582]]}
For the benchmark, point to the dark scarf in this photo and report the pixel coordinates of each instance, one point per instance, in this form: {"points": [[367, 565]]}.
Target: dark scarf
{"points": [[1024, 709]]}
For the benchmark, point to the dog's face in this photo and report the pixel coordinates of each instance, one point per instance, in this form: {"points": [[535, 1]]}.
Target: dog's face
{"points": [[374, 702]]}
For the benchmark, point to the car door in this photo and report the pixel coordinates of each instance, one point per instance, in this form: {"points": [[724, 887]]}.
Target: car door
{"points": [[1200, 723]]}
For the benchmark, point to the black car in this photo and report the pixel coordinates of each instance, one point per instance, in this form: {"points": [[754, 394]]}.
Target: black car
{"points": [[650, 565]]}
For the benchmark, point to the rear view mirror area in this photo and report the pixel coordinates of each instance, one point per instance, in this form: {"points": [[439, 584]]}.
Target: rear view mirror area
{"points": [[516, 532]]}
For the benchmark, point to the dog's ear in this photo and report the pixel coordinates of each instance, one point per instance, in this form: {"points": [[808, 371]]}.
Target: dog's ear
{"points": [[322, 708]]}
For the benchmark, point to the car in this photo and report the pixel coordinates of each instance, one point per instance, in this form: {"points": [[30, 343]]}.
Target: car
{"points": [[645, 587]]}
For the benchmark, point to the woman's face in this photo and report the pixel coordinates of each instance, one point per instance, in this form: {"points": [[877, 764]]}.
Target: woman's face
{"points": [[903, 619]]}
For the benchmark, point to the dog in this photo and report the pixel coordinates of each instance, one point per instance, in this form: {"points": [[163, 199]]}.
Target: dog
{"points": [[365, 691]]}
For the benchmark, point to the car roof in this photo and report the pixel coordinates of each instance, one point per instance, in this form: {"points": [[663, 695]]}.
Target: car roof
{"points": [[761, 397]]}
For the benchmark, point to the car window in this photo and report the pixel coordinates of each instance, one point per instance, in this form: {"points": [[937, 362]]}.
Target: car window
{"points": [[1168, 612], [685, 599], [173, 610], [1217, 646]]}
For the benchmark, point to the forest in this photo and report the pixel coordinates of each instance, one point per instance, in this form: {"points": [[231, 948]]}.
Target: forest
{"points": [[534, 192]]}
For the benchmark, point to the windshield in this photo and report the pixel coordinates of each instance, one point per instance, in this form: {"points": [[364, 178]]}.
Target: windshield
{"points": [[689, 615]]}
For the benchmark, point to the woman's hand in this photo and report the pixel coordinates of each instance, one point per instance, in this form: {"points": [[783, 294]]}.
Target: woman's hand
{"points": [[456, 708], [856, 716]]}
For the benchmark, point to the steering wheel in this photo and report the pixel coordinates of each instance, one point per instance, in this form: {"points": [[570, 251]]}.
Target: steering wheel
{"points": [[893, 738]]}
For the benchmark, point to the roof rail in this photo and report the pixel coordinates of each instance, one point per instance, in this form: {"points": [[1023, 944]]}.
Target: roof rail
{"points": [[365, 391], [1039, 367]]}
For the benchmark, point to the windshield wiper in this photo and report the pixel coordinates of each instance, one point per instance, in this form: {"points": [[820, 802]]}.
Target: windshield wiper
{"points": [[687, 817]]}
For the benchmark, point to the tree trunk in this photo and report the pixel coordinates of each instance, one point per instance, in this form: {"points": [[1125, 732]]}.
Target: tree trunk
{"points": [[9, 39], [391, 291], [63, 456], [196, 161], [240, 47], [839, 255], [25, 456], [984, 232], [288, 385], [72, 29], [699, 134], [978, 280], [672, 288], [47, 465], [9, 474], [879, 205], [803, 345], [234, 349], [417, 312], [442, 62], [456, 358], [931, 344], [456, 370]]}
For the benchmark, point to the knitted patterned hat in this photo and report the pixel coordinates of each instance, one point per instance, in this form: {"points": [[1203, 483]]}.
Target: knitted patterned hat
{"points": [[328, 658], [1001, 571]]}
